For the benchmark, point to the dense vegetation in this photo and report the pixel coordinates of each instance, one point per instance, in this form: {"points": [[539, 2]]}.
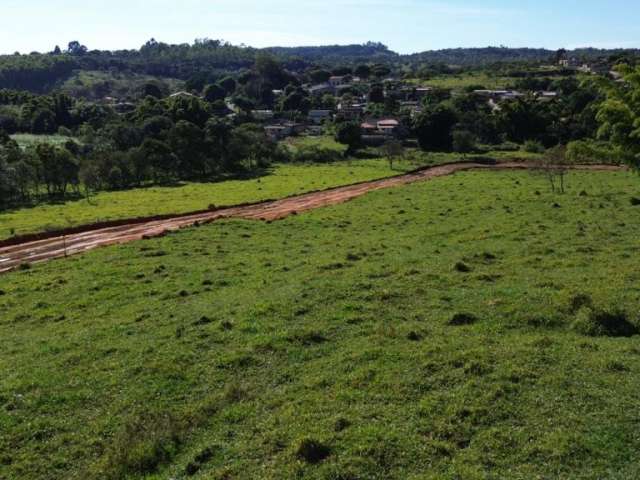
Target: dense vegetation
{"points": [[40, 72], [162, 139], [471, 327]]}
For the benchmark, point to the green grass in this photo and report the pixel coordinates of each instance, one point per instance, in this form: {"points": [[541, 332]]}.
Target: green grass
{"points": [[320, 142], [26, 140], [463, 80], [245, 350], [285, 180]]}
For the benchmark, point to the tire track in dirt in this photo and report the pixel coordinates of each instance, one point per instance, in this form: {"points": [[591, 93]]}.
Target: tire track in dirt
{"points": [[13, 256]]}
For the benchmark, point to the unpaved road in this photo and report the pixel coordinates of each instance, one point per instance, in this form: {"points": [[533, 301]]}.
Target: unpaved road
{"points": [[29, 252]]}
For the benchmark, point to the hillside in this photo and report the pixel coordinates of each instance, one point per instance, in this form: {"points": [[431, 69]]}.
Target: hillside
{"points": [[43, 72], [472, 327]]}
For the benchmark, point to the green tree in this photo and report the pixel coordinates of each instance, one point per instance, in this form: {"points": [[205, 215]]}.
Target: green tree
{"points": [[228, 84], [187, 142], [619, 115], [349, 134], [214, 92], [434, 128], [463, 142], [392, 150], [376, 93]]}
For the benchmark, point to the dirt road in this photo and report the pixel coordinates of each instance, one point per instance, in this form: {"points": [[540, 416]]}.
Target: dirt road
{"points": [[29, 252]]}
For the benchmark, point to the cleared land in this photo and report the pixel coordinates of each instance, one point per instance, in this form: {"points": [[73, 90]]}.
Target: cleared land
{"points": [[282, 181], [19, 253], [441, 330], [468, 79]]}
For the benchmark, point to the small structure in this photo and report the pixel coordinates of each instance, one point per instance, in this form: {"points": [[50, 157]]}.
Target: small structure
{"points": [[498, 95], [321, 89], [351, 111], [262, 115], [124, 107], [387, 126], [546, 96], [337, 81], [277, 132], [317, 117], [369, 127], [181, 94], [422, 92]]}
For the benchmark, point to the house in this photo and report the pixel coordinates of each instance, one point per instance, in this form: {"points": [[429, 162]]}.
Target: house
{"points": [[369, 127], [498, 95], [569, 62], [387, 126], [277, 132], [318, 117], [351, 111], [124, 107], [295, 127], [337, 81], [422, 92], [322, 89], [262, 115], [546, 96], [181, 94]]}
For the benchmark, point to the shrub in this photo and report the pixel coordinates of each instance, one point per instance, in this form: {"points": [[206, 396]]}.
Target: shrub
{"points": [[579, 301], [145, 442], [533, 146], [311, 451], [460, 319], [462, 267], [316, 154], [604, 323], [635, 201]]}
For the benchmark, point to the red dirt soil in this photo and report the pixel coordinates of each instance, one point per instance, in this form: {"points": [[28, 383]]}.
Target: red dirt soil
{"points": [[13, 255]]}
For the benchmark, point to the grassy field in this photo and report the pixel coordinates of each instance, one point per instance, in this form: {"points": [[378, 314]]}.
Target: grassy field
{"points": [[471, 327], [467, 79], [323, 141], [283, 181]]}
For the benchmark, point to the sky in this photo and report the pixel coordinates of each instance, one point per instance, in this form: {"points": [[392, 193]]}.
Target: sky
{"points": [[406, 26]]}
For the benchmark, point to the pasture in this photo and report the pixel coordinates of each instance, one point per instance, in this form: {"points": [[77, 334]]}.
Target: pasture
{"points": [[475, 326]]}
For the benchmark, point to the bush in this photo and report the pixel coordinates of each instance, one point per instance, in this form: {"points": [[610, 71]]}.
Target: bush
{"points": [[311, 451], [460, 319], [579, 301], [506, 147], [604, 323], [316, 154], [145, 442], [462, 267], [533, 146], [64, 131]]}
